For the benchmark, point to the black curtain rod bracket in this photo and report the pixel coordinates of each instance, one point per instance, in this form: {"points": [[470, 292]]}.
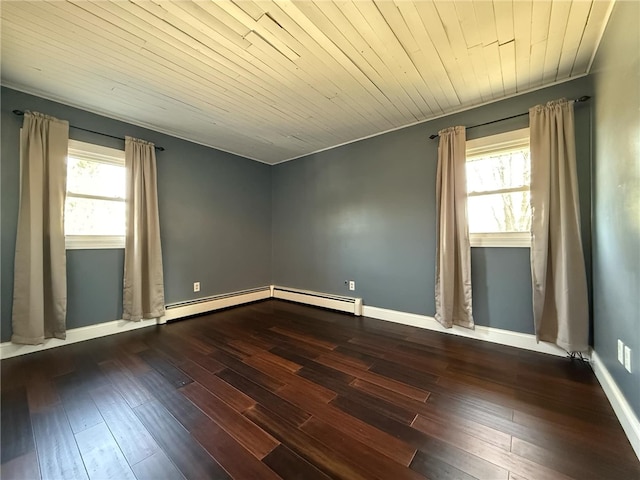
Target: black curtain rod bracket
{"points": [[21, 113], [584, 98]]}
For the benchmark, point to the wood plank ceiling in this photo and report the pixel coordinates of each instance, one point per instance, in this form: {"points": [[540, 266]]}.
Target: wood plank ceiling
{"points": [[275, 80]]}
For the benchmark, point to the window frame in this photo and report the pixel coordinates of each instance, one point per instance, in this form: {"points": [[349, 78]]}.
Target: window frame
{"points": [[482, 147], [97, 154]]}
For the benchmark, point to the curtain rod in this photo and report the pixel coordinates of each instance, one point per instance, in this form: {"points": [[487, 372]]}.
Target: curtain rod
{"points": [[577, 100], [21, 113]]}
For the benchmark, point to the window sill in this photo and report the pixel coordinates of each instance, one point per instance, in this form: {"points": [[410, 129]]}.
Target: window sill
{"points": [[93, 242], [507, 239]]}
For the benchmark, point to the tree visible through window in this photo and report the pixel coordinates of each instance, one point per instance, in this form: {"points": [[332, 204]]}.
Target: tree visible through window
{"points": [[95, 205], [498, 180]]}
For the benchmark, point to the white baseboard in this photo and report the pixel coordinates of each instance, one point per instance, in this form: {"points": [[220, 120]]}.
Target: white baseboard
{"points": [[621, 407], [487, 334], [8, 349]]}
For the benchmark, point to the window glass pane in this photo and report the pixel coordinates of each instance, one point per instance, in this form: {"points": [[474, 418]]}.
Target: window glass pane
{"points": [[498, 172], [85, 216], [506, 212], [95, 178]]}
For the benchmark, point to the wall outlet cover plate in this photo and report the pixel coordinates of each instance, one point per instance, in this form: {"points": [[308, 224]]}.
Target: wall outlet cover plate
{"points": [[627, 358], [620, 351]]}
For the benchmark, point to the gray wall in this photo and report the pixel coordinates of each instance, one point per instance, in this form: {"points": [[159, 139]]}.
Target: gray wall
{"points": [[366, 212], [616, 248], [215, 217]]}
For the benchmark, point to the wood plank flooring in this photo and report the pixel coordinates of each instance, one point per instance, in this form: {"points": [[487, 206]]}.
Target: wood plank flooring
{"points": [[278, 390]]}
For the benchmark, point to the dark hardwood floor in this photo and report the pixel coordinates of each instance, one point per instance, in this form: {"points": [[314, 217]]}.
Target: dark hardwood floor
{"points": [[277, 390]]}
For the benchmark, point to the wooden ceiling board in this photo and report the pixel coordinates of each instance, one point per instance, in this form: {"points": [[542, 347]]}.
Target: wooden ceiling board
{"points": [[383, 78], [323, 47], [385, 40], [118, 70], [557, 29], [592, 34], [522, 37], [445, 13], [349, 82], [276, 80], [431, 90], [432, 63], [503, 10]]}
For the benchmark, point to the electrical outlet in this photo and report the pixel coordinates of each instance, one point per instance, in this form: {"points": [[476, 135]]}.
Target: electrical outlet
{"points": [[352, 285], [620, 351], [627, 358], [196, 286]]}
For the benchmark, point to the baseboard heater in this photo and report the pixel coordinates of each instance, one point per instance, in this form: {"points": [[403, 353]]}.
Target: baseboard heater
{"points": [[324, 300], [215, 302], [190, 308]]}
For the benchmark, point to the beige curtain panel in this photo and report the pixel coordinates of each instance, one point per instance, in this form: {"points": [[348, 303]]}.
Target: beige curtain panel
{"points": [[40, 269], [560, 303], [143, 295], [453, 252]]}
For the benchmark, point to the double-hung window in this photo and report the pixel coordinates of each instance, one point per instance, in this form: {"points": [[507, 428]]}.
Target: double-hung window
{"points": [[498, 187], [95, 205]]}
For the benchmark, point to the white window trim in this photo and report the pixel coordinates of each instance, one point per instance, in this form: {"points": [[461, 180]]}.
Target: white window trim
{"points": [[97, 153], [109, 155], [500, 239], [93, 242], [479, 148]]}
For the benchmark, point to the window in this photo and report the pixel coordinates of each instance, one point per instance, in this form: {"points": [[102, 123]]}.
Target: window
{"points": [[498, 187], [94, 214]]}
